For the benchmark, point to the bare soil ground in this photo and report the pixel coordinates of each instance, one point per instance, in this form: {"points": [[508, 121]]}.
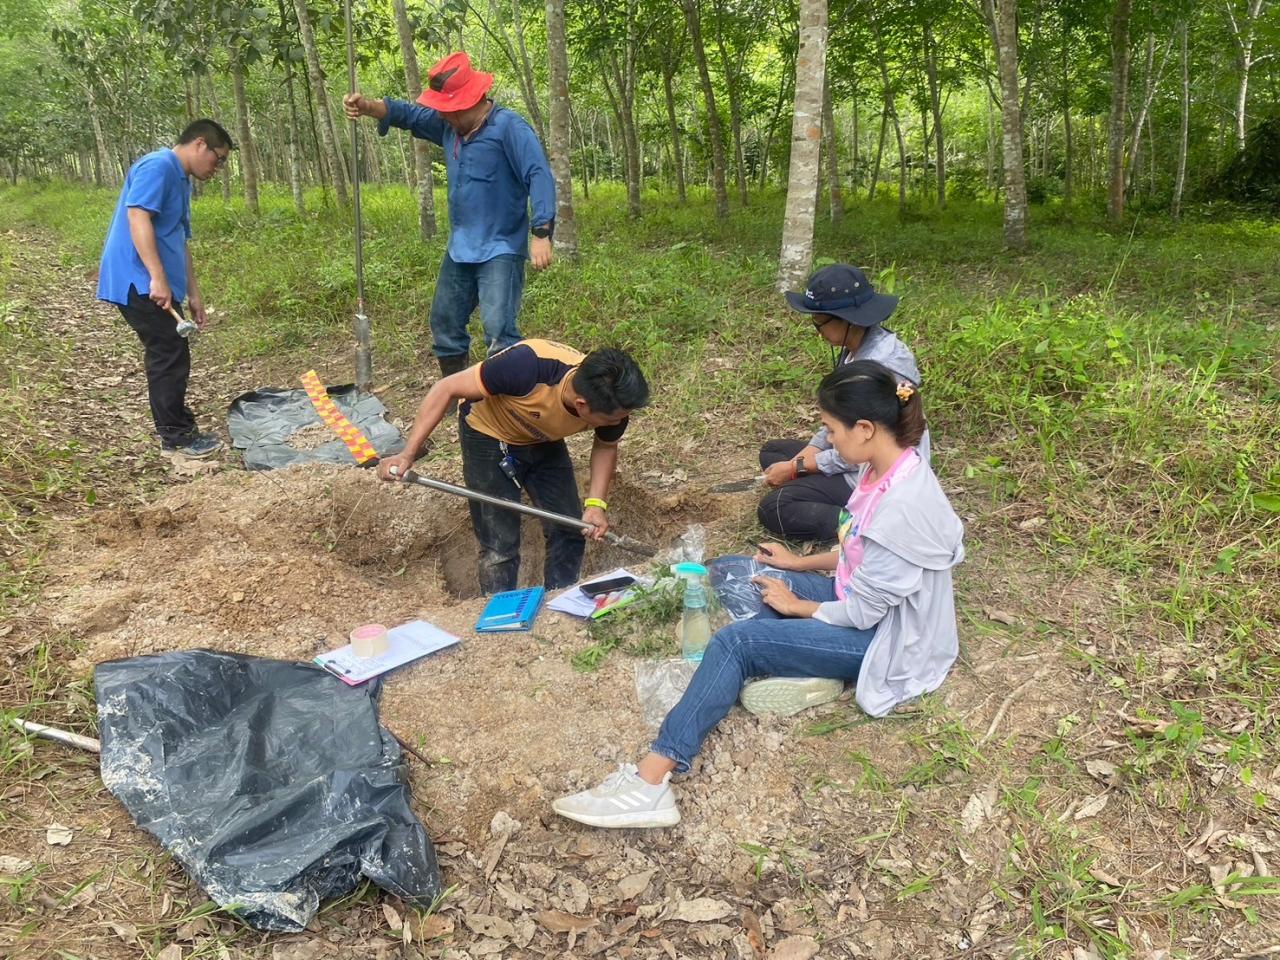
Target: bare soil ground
{"points": [[1022, 810]]}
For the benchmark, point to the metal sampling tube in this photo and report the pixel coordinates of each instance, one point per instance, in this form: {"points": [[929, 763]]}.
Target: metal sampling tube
{"points": [[61, 736]]}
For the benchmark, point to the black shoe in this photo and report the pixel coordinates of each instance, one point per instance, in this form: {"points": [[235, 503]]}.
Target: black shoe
{"points": [[200, 447]]}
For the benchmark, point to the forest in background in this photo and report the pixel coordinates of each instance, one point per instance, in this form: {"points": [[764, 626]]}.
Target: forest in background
{"points": [[1131, 103]]}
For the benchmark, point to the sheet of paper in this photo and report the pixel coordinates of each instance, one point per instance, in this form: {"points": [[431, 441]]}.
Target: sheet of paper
{"points": [[405, 643], [576, 603]]}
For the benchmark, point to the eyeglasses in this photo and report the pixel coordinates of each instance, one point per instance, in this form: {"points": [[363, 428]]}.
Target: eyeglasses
{"points": [[222, 158]]}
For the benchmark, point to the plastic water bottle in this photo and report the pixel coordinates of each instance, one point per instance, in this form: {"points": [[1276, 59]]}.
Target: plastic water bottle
{"points": [[695, 622]]}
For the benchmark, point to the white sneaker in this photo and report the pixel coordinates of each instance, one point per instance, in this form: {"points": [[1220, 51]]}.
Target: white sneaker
{"points": [[787, 695], [622, 800]]}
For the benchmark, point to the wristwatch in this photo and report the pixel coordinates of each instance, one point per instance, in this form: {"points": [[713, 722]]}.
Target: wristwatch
{"points": [[544, 231], [801, 469]]}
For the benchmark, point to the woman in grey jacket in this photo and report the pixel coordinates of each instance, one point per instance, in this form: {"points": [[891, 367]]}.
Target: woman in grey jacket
{"points": [[886, 620]]}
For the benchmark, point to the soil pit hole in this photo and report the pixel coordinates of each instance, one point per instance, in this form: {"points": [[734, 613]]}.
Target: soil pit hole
{"points": [[426, 535]]}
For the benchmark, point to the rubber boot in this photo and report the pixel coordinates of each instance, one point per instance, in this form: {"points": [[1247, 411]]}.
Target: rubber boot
{"points": [[448, 367]]}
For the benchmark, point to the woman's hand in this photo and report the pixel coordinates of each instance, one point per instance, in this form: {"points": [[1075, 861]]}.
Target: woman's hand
{"points": [[776, 555], [784, 471], [779, 596]]}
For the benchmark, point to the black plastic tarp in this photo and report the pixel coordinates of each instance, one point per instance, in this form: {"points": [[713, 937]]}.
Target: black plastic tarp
{"points": [[260, 423], [271, 783]]}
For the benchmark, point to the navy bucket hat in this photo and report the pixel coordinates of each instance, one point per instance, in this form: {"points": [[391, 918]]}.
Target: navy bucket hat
{"points": [[845, 292]]}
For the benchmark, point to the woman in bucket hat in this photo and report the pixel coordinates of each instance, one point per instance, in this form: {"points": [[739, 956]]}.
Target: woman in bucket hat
{"points": [[497, 169], [811, 481]]}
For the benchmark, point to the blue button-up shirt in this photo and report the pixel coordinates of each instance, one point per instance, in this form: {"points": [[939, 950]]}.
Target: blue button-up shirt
{"points": [[494, 177], [158, 184]]}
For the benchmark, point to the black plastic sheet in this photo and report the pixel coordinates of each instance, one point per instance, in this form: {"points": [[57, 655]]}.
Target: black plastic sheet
{"points": [[260, 423], [271, 783]]}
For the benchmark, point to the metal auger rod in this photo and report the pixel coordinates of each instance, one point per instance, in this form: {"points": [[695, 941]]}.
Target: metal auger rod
{"points": [[624, 543], [363, 331]]}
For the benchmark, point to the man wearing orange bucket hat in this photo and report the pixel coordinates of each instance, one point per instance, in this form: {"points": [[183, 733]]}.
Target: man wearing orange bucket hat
{"points": [[497, 170]]}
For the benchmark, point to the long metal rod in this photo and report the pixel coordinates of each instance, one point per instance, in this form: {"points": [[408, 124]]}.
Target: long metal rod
{"points": [[364, 333], [61, 736], [625, 543]]}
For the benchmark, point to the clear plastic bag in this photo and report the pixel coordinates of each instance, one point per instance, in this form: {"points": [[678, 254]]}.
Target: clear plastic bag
{"points": [[659, 686], [731, 583], [690, 547]]}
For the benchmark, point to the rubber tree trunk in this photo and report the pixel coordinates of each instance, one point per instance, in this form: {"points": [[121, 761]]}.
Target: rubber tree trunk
{"points": [[733, 87], [1068, 162], [526, 73], [421, 148], [244, 149], [714, 128], [875, 167], [1243, 34], [831, 149], [1185, 104], [566, 235], [1151, 79], [328, 134], [291, 145], [673, 126], [796, 255], [890, 115], [1119, 104], [225, 176], [1002, 18], [935, 107]]}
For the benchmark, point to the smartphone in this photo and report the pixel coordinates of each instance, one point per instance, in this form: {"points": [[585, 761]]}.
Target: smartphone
{"points": [[601, 587]]}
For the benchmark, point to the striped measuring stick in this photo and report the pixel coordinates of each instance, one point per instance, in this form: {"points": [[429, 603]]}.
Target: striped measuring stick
{"points": [[356, 441]]}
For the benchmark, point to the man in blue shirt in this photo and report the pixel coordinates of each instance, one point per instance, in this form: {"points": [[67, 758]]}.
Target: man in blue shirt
{"points": [[146, 272], [496, 169]]}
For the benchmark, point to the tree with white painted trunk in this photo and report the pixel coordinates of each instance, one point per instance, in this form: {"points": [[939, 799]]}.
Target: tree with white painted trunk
{"points": [[796, 256]]}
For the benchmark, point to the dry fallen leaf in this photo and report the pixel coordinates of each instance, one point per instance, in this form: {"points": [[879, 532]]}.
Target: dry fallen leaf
{"points": [[1102, 770], [1001, 616], [979, 808], [392, 918], [701, 910], [794, 948], [489, 926], [636, 884], [14, 865], [755, 934], [171, 952], [557, 921], [57, 835], [1103, 877], [1091, 808], [434, 926]]}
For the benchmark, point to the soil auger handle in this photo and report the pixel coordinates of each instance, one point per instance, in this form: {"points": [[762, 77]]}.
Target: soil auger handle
{"points": [[624, 543]]}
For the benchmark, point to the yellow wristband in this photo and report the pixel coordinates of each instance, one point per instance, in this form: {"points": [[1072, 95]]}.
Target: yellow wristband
{"points": [[596, 502]]}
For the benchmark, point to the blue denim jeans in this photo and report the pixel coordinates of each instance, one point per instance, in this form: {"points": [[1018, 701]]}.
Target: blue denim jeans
{"points": [[767, 645], [496, 286]]}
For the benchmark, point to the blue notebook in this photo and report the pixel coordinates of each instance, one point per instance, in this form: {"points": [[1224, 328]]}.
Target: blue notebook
{"points": [[513, 610]]}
